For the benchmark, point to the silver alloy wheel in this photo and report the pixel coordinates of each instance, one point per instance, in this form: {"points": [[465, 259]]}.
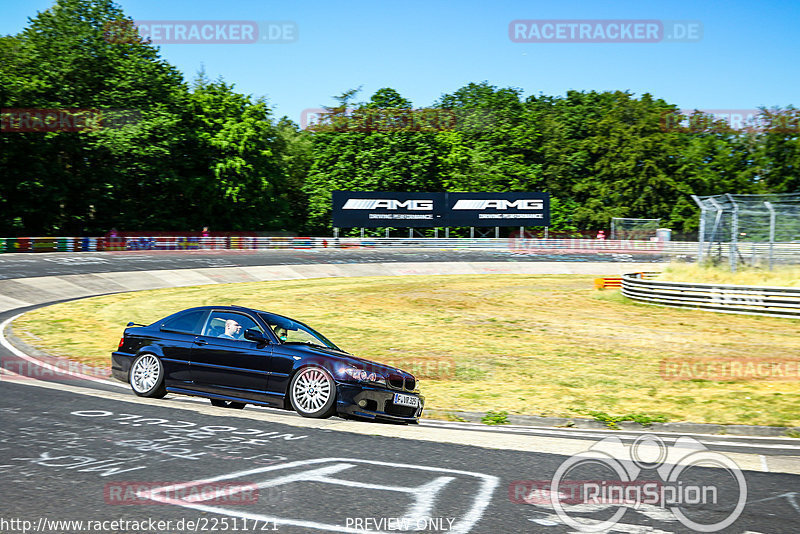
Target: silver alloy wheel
{"points": [[145, 374], [311, 390]]}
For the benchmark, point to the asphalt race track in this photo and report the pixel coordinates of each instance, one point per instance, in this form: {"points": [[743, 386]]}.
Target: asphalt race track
{"points": [[22, 265], [73, 449]]}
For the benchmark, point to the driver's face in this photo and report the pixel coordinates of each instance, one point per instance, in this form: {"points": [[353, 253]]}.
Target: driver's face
{"points": [[232, 327]]}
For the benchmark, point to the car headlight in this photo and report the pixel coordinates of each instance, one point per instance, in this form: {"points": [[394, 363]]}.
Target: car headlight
{"points": [[363, 376]]}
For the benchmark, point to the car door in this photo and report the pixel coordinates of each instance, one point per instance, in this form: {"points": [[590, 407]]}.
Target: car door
{"points": [[227, 364], [177, 335]]}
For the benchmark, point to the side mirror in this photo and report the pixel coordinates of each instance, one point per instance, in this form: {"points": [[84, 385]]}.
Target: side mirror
{"points": [[255, 335]]}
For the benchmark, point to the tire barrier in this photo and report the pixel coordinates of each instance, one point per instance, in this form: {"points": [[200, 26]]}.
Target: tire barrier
{"points": [[721, 298]]}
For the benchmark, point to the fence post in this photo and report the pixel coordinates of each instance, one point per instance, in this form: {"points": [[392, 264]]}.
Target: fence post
{"points": [[701, 233], [734, 245], [717, 221], [771, 231]]}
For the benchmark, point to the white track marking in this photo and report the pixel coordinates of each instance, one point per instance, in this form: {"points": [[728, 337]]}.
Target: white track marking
{"points": [[425, 494], [56, 370]]}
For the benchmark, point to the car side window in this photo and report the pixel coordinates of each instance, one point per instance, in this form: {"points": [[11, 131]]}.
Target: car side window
{"points": [[187, 323], [229, 325]]}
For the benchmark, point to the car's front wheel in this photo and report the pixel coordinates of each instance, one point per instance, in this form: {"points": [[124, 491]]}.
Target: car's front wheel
{"points": [[313, 393], [219, 403], [147, 377]]}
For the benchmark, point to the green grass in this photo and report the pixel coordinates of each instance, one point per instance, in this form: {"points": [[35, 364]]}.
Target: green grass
{"points": [[537, 345], [721, 274]]}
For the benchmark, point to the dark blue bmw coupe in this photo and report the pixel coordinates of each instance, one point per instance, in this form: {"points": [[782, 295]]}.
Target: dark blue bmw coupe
{"points": [[236, 356]]}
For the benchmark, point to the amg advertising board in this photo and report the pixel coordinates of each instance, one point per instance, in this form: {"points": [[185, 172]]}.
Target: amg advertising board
{"points": [[354, 209], [498, 209]]}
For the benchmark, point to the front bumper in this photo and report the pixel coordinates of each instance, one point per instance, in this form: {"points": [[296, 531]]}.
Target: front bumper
{"points": [[362, 401]]}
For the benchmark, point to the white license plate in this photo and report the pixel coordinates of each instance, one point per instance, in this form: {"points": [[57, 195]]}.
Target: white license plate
{"points": [[406, 400]]}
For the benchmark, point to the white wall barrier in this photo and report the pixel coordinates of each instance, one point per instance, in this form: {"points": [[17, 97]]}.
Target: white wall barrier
{"points": [[723, 298]]}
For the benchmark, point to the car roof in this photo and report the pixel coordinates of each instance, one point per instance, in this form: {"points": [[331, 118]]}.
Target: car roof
{"points": [[236, 307]]}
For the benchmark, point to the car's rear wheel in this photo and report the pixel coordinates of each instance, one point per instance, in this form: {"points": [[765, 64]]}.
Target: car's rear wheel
{"points": [[147, 377], [313, 393], [219, 403]]}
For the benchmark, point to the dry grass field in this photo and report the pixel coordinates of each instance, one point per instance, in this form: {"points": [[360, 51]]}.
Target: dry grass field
{"points": [[539, 345]]}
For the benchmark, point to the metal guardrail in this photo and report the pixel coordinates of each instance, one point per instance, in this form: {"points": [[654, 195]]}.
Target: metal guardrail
{"points": [[250, 242], [722, 298], [783, 252], [233, 242]]}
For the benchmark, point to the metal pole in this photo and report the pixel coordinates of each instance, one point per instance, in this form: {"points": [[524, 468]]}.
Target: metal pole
{"points": [[613, 229], [410, 233], [335, 233], [447, 232], [436, 233], [387, 232], [733, 249], [717, 221], [471, 232], [771, 232], [497, 232], [546, 228], [701, 233], [362, 232]]}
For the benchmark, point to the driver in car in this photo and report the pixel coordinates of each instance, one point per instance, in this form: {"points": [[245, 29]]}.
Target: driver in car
{"points": [[232, 329], [280, 332]]}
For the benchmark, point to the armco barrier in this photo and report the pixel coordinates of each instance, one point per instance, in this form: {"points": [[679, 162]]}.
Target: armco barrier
{"points": [[783, 252], [722, 298], [249, 242]]}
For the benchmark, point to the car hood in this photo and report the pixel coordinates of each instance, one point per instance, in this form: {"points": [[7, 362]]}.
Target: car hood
{"points": [[349, 359]]}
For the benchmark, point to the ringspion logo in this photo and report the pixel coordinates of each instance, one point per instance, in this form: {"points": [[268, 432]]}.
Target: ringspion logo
{"points": [[648, 476]]}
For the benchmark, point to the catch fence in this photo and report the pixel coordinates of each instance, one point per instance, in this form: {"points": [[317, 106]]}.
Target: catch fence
{"points": [[757, 230]]}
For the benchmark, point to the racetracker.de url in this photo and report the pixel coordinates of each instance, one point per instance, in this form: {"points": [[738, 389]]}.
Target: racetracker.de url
{"points": [[148, 524]]}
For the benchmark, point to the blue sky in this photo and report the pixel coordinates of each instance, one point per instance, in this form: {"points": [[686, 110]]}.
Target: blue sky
{"points": [[747, 57]]}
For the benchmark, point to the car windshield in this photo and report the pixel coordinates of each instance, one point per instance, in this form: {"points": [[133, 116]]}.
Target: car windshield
{"points": [[291, 331]]}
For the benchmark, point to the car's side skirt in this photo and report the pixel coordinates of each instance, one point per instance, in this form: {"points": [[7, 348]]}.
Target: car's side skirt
{"points": [[277, 399]]}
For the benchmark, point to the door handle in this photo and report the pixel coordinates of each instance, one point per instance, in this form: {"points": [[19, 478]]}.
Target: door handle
{"points": [[201, 342]]}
